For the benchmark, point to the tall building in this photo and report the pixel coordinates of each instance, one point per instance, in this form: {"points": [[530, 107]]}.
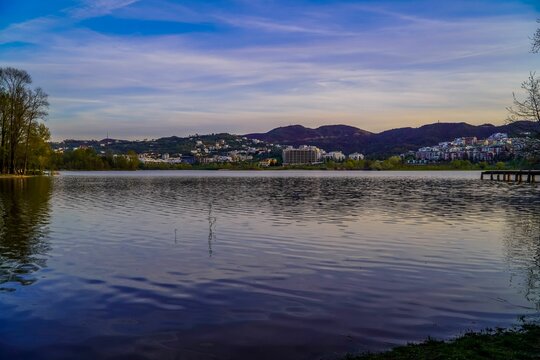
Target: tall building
{"points": [[302, 155]]}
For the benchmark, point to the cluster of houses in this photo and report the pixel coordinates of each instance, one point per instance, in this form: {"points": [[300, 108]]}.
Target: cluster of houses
{"points": [[154, 157], [496, 147], [218, 152], [253, 150], [99, 146]]}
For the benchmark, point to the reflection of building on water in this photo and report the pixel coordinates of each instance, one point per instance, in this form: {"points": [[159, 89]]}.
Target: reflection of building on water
{"points": [[24, 214], [211, 229]]}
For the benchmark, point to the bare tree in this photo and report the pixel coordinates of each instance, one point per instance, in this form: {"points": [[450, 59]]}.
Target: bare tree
{"points": [[527, 108], [536, 40]]}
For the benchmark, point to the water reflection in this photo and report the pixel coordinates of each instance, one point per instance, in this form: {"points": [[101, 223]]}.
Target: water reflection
{"points": [[522, 246], [301, 267], [211, 229], [24, 215]]}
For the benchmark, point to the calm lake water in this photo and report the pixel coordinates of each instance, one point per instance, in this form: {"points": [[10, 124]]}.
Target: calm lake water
{"points": [[260, 265]]}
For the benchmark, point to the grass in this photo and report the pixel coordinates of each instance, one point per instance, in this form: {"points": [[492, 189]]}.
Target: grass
{"points": [[515, 344]]}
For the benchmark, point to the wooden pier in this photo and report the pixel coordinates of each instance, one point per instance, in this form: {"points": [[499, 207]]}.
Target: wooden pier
{"points": [[517, 176]]}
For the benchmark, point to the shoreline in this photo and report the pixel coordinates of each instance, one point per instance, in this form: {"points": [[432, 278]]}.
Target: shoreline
{"points": [[12, 176], [269, 169], [504, 344]]}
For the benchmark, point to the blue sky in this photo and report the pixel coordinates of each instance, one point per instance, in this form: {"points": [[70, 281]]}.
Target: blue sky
{"points": [[151, 68]]}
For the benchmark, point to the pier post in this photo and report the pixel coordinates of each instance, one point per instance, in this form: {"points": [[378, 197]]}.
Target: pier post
{"points": [[515, 176]]}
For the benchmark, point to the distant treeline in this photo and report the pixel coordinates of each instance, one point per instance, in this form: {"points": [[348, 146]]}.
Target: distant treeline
{"points": [[395, 163], [88, 159], [392, 163], [23, 138]]}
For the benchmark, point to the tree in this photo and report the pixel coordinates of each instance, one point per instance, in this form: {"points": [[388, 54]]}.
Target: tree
{"points": [[21, 108], [38, 156], [527, 108], [536, 40]]}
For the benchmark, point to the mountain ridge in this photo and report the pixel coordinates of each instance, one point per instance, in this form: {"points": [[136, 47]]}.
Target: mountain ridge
{"points": [[389, 142]]}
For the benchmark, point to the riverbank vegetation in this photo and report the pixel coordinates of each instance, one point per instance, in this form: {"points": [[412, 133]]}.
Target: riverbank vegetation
{"points": [[89, 159], [395, 163], [24, 147], [515, 344]]}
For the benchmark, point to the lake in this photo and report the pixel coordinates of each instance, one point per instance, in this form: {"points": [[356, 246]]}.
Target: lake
{"points": [[264, 265]]}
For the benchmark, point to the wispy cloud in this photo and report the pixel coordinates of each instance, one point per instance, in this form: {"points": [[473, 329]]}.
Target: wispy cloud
{"points": [[94, 8]]}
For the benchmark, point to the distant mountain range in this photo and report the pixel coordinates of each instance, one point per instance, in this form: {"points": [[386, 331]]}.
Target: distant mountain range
{"points": [[351, 139], [330, 137]]}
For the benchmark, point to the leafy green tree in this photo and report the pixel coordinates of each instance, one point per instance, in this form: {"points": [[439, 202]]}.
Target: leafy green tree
{"points": [[38, 155], [21, 109], [392, 162], [461, 164], [376, 165], [483, 165]]}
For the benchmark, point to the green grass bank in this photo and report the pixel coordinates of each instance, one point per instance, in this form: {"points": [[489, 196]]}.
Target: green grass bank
{"points": [[514, 344]]}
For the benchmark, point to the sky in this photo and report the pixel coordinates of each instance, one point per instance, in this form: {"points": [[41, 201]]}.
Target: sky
{"points": [[151, 68]]}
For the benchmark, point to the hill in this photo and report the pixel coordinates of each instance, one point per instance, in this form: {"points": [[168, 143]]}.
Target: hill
{"points": [[172, 144], [329, 137], [350, 139]]}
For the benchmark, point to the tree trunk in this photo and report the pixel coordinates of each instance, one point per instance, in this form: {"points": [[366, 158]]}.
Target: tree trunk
{"points": [[26, 147], [12, 158], [3, 147]]}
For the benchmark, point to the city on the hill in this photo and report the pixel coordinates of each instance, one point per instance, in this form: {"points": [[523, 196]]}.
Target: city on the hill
{"points": [[231, 151], [497, 147]]}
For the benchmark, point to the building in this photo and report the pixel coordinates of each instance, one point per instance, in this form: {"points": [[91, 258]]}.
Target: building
{"points": [[498, 137], [302, 155], [356, 156], [334, 156]]}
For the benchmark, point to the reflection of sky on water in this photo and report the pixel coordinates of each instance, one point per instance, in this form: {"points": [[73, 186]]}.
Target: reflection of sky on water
{"points": [[299, 267]]}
